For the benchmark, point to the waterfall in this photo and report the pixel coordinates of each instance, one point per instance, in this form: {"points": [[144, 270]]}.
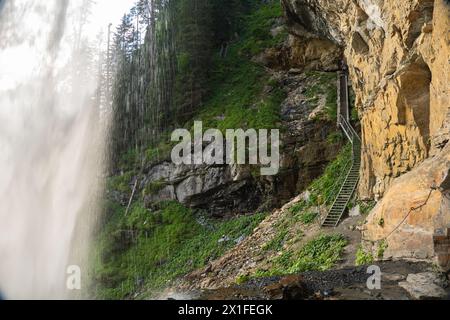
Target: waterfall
{"points": [[51, 146]]}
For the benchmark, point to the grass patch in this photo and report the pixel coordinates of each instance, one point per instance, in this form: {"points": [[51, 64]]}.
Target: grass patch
{"points": [[238, 95], [320, 254], [145, 250], [322, 191], [307, 217], [242, 279]]}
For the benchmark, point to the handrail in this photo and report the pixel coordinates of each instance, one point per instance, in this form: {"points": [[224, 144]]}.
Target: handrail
{"points": [[348, 129], [347, 178], [339, 181]]}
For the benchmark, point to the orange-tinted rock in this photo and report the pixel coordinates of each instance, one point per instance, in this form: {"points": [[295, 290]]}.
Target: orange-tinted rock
{"points": [[398, 54]]}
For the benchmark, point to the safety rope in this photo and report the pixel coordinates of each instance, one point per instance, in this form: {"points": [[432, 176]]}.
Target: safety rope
{"points": [[407, 216]]}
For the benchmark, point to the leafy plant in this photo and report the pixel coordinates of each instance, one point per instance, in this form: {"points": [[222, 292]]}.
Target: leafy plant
{"points": [[145, 250], [382, 246], [277, 242], [363, 257], [319, 254]]}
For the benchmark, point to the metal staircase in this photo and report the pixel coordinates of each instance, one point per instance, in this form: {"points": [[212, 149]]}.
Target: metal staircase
{"points": [[352, 175]]}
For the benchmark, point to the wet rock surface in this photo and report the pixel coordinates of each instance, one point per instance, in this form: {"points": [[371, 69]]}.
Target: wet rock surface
{"points": [[343, 284]]}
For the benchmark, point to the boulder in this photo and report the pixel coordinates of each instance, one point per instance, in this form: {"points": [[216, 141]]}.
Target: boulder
{"points": [[425, 286]]}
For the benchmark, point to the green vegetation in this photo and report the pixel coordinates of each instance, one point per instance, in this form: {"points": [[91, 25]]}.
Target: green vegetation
{"points": [[160, 152], [121, 183], [277, 242], [257, 27], [382, 246], [363, 257], [324, 190], [225, 91], [145, 250], [319, 254], [323, 84], [238, 98], [366, 206], [335, 137], [154, 187], [308, 217], [242, 279]]}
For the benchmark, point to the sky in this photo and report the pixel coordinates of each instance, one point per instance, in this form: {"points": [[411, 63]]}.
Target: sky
{"points": [[19, 60], [108, 11]]}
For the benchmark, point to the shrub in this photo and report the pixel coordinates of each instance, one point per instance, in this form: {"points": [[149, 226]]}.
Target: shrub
{"points": [[145, 250]]}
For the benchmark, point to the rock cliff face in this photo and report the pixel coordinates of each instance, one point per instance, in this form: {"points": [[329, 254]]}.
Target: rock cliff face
{"points": [[222, 189], [398, 55]]}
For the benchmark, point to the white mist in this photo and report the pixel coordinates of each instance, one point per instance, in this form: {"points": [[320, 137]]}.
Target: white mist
{"points": [[51, 146]]}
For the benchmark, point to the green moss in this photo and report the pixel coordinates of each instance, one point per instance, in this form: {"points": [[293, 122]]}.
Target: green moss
{"points": [[145, 250], [363, 257], [121, 183], [154, 187]]}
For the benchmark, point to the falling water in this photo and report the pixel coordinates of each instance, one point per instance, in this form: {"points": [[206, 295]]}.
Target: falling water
{"points": [[50, 145]]}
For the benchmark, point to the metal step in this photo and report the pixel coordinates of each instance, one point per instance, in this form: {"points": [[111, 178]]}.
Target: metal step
{"points": [[348, 187]]}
